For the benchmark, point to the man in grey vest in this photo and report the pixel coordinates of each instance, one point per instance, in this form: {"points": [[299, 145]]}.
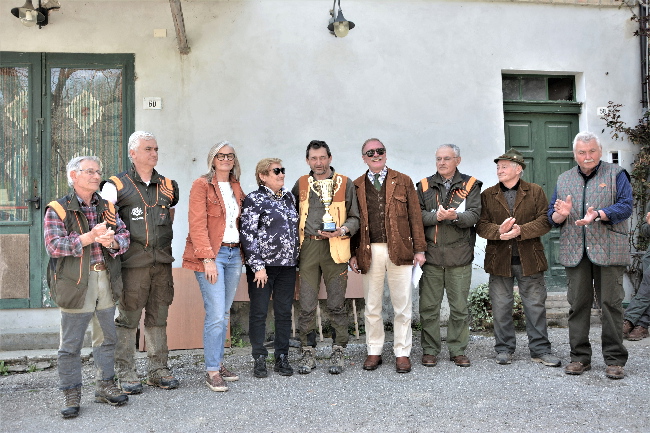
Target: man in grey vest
{"points": [[591, 204]]}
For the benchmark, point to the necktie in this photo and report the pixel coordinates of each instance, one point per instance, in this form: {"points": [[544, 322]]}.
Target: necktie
{"points": [[376, 182]]}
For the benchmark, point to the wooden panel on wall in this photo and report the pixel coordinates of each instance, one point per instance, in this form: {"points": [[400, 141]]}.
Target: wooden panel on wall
{"points": [[14, 266]]}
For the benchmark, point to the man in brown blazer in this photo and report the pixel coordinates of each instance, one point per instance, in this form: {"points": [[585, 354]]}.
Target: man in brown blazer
{"points": [[389, 242], [513, 218]]}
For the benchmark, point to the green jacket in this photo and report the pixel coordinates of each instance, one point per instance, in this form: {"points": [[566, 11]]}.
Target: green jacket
{"points": [[450, 243]]}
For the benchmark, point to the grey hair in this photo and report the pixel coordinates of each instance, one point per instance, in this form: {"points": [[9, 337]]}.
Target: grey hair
{"points": [[512, 164], [586, 137], [134, 140], [453, 147], [75, 165], [369, 140], [236, 170]]}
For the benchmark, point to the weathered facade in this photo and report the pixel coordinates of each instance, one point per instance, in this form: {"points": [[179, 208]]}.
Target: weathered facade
{"points": [[268, 76]]}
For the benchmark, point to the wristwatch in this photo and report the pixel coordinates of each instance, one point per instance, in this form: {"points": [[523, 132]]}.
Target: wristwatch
{"points": [[598, 217], [207, 260]]}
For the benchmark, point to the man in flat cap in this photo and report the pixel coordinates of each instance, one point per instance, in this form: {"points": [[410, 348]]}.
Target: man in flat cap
{"points": [[513, 218]]}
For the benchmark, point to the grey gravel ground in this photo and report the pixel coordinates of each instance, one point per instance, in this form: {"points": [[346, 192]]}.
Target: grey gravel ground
{"points": [[521, 397]]}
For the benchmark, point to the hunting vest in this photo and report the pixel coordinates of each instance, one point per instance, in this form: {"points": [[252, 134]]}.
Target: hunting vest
{"points": [[145, 209], [67, 276], [339, 246], [605, 244]]}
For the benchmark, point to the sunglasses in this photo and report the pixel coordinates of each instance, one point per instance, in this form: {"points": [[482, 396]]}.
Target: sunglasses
{"points": [[370, 153], [277, 170]]}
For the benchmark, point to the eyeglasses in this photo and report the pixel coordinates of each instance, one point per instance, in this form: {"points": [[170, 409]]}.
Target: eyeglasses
{"points": [[277, 170], [228, 156], [446, 158], [370, 153], [91, 172]]}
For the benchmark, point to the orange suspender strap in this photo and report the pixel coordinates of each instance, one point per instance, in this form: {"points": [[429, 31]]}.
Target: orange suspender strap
{"points": [[425, 184], [118, 183], [58, 208]]}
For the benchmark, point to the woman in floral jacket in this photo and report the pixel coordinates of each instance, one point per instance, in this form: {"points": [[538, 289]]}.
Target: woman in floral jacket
{"points": [[269, 239]]}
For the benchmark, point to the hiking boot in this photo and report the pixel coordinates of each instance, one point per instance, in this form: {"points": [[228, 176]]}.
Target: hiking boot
{"points": [[259, 369], [548, 360], [227, 375], [577, 368], [627, 327], [614, 372], [107, 392], [638, 333], [72, 400], [129, 387], [216, 383], [336, 360], [282, 366], [504, 358], [460, 360], [308, 361], [163, 379]]}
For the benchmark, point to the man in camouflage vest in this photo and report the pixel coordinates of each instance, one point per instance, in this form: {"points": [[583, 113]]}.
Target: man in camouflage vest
{"points": [[591, 204]]}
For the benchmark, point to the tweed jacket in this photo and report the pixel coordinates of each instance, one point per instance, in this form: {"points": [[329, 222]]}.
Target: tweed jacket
{"points": [[529, 213], [404, 229]]}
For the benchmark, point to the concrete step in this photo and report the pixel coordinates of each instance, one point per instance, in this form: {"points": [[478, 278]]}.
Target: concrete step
{"points": [[34, 339]]}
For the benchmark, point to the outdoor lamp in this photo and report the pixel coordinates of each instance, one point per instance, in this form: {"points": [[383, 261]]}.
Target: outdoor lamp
{"points": [[30, 16], [339, 26]]}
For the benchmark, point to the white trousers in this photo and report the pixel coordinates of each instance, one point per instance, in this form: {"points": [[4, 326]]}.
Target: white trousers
{"points": [[399, 284]]}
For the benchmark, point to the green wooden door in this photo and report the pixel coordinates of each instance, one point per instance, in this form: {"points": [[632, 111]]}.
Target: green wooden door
{"points": [[53, 107], [545, 140]]}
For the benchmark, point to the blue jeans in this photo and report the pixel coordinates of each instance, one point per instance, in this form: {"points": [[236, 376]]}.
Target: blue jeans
{"points": [[217, 300]]}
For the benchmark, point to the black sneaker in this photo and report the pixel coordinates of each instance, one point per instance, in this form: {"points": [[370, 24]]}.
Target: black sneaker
{"points": [[282, 366], [259, 369]]}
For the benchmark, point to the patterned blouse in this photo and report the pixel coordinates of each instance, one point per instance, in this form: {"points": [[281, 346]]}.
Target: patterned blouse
{"points": [[269, 229]]}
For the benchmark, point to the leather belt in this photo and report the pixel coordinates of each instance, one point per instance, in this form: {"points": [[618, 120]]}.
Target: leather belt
{"points": [[230, 245], [317, 238], [97, 267]]}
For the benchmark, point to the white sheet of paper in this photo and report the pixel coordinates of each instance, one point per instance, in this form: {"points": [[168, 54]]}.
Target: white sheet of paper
{"points": [[461, 208], [416, 275]]}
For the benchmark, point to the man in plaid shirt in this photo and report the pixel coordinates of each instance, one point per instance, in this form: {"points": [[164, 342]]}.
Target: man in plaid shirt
{"points": [[84, 237]]}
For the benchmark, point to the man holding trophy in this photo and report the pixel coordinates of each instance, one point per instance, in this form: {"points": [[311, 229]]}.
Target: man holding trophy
{"points": [[329, 215]]}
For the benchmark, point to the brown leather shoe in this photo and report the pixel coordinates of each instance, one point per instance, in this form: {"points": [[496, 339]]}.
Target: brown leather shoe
{"points": [[460, 360], [638, 333], [429, 360], [402, 364], [372, 362], [627, 327], [577, 368], [614, 372]]}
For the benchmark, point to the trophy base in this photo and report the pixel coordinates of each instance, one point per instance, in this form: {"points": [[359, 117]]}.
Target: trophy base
{"points": [[328, 227]]}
